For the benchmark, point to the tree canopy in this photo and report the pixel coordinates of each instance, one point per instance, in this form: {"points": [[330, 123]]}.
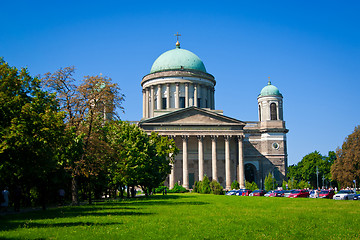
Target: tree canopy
{"points": [[346, 167]]}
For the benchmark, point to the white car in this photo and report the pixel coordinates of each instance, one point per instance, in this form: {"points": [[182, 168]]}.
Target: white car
{"points": [[344, 195]]}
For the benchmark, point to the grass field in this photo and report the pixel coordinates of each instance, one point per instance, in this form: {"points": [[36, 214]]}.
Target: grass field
{"points": [[191, 216]]}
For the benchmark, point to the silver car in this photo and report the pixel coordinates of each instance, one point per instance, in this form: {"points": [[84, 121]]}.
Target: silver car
{"points": [[344, 195]]}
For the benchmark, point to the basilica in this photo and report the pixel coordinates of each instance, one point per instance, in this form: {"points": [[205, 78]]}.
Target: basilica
{"points": [[179, 102]]}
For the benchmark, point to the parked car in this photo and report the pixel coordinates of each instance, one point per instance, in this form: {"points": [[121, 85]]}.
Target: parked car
{"points": [[356, 197], [326, 194], [268, 193], [231, 192], [344, 195], [279, 193], [312, 194], [288, 192], [258, 193], [246, 192], [299, 193]]}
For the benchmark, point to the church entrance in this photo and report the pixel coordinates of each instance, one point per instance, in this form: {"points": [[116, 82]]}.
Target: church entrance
{"points": [[250, 172]]}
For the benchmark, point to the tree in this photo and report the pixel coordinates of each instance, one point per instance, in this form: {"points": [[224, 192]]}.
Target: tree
{"points": [[270, 182], [306, 169], [31, 131], [251, 185], [235, 185], [346, 167], [86, 107], [139, 159]]}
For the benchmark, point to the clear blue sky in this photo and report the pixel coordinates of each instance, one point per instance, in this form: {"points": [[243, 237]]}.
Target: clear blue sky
{"points": [[310, 49]]}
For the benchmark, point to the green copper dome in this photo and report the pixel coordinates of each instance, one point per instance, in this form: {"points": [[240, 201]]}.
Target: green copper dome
{"points": [[177, 59], [270, 90]]}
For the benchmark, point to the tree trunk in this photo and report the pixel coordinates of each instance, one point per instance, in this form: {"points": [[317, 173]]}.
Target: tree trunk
{"points": [[74, 191], [89, 192]]}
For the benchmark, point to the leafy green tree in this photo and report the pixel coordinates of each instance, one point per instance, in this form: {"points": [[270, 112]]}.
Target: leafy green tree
{"points": [[235, 185], [306, 169], [216, 188], [251, 185], [346, 167], [139, 159], [270, 182], [86, 107], [31, 131], [205, 185]]}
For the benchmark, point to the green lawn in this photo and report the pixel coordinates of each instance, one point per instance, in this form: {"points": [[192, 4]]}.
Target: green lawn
{"points": [[191, 216]]}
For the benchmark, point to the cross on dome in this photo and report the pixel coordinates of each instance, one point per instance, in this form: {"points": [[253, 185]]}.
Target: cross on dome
{"points": [[177, 39]]}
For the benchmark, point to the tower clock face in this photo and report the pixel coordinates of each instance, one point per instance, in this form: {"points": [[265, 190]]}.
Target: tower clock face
{"points": [[275, 145]]}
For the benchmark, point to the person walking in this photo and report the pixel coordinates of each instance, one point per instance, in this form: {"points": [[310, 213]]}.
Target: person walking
{"points": [[5, 204]]}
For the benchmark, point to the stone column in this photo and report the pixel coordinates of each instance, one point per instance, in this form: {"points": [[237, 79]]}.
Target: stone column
{"points": [[185, 163], [213, 158], [172, 174], [144, 103], [168, 95], [152, 100], [186, 95], [227, 162], [201, 157], [195, 95], [241, 162], [147, 104], [159, 97], [177, 96]]}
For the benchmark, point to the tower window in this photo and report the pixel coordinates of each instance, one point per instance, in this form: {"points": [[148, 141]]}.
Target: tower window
{"points": [[260, 113], [199, 102], [273, 112], [182, 102], [163, 103]]}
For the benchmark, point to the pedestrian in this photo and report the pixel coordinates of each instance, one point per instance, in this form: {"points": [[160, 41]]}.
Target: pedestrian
{"points": [[165, 190], [5, 204]]}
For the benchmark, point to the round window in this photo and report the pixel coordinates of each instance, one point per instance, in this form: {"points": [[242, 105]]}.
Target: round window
{"points": [[275, 145]]}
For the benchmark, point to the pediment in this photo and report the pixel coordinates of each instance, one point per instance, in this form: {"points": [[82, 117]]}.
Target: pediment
{"points": [[192, 116]]}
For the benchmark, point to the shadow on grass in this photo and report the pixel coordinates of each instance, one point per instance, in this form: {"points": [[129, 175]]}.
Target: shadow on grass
{"points": [[125, 207]]}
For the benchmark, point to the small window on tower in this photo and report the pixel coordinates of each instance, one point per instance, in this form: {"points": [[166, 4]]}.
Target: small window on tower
{"points": [[273, 112], [260, 113], [199, 102]]}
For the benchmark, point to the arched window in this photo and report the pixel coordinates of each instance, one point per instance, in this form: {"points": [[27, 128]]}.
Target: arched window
{"points": [[273, 112], [259, 113]]}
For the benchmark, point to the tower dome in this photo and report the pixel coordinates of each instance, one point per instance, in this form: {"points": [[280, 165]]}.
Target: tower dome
{"points": [[270, 90], [178, 59]]}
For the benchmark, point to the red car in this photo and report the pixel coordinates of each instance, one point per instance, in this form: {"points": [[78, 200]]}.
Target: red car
{"points": [[246, 192], [258, 193], [326, 194], [299, 193]]}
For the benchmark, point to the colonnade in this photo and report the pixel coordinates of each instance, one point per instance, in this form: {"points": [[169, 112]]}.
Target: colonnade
{"points": [[200, 138], [198, 95]]}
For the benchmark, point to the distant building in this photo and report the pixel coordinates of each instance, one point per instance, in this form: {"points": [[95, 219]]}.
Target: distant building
{"points": [[178, 102]]}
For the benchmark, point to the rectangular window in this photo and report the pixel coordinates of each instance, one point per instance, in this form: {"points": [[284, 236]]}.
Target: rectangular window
{"points": [[182, 102], [199, 102], [163, 103]]}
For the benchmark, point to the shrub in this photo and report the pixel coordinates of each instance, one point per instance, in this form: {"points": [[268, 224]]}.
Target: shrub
{"points": [[251, 185], [235, 185], [178, 189], [205, 185], [196, 187], [216, 188], [270, 182], [160, 189]]}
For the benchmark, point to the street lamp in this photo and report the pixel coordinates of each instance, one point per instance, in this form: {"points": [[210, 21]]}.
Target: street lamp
{"points": [[317, 177]]}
